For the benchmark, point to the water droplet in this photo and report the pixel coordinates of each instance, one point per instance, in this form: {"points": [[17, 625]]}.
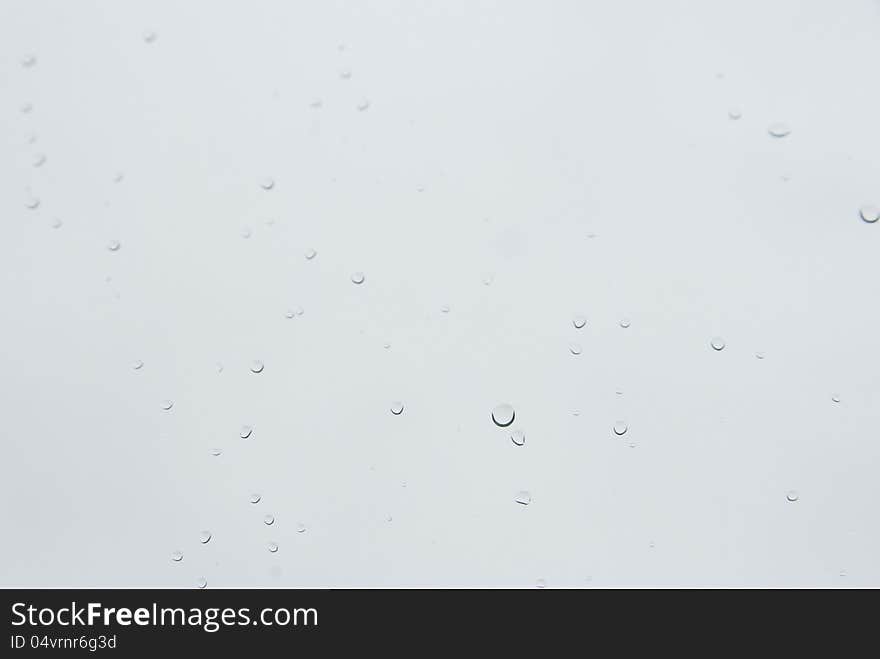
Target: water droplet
{"points": [[257, 366], [167, 404], [39, 159], [299, 311], [216, 452], [518, 437], [717, 343], [137, 364], [397, 408], [523, 497], [386, 346], [363, 106], [734, 113], [246, 233], [32, 203], [26, 108], [201, 583], [267, 183], [56, 223], [300, 528], [488, 279], [444, 308], [870, 214], [289, 314], [357, 278], [620, 428], [118, 176], [316, 104], [177, 556], [579, 322], [792, 495], [835, 398], [205, 537], [310, 254], [541, 583], [503, 415], [219, 367], [269, 520], [273, 547], [345, 74], [29, 60], [255, 497], [779, 129], [575, 348], [245, 432], [114, 245], [624, 323], [759, 355], [150, 36]]}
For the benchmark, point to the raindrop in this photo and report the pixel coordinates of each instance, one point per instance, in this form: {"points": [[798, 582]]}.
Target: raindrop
{"points": [[792, 496], [759, 355], [575, 348], [518, 437], [444, 308], [488, 279], [779, 129], [734, 113], [255, 497], [835, 398], [38, 160], [386, 346], [167, 404], [150, 36], [345, 74], [523, 497], [299, 311], [216, 452], [205, 537], [316, 104], [202, 583], [300, 528], [870, 214], [397, 408], [246, 233], [56, 223], [273, 547], [624, 323], [245, 432], [26, 108], [620, 428], [114, 245], [310, 254], [289, 314], [137, 364], [177, 556], [32, 203], [29, 60], [257, 366], [579, 322], [219, 367], [541, 583], [717, 343], [363, 105], [269, 520], [267, 183], [118, 176], [503, 415], [357, 278]]}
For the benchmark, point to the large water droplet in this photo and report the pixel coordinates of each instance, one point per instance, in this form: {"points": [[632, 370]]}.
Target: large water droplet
{"points": [[792, 496], [257, 366], [620, 428], [245, 432], [518, 437], [167, 404], [523, 497], [870, 214], [205, 537], [575, 348], [579, 321], [503, 415], [269, 520], [273, 547], [397, 407], [717, 343], [779, 129], [114, 245], [177, 556], [357, 278], [835, 398], [255, 497]]}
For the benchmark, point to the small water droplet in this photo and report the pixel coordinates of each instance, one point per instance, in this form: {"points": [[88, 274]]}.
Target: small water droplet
{"points": [[201, 583], [150, 36], [345, 74], [219, 367], [316, 104], [363, 106], [835, 398], [289, 314], [870, 214], [245, 432], [246, 233], [257, 366], [397, 408], [216, 452], [620, 428], [444, 308], [26, 108], [56, 223], [267, 183], [717, 343], [205, 537], [518, 437], [137, 364], [118, 176], [579, 322], [575, 348], [32, 203], [39, 159], [624, 323], [792, 496], [255, 497], [541, 583], [310, 254], [779, 129], [300, 528], [734, 113], [273, 547], [488, 279], [503, 415], [386, 346], [269, 520], [177, 556], [167, 404], [523, 497], [299, 311], [29, 60], [357, 278], [114, 245], [759, 355]]}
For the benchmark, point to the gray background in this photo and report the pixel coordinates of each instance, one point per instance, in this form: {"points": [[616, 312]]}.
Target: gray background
{"points": [[576, 156]]}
